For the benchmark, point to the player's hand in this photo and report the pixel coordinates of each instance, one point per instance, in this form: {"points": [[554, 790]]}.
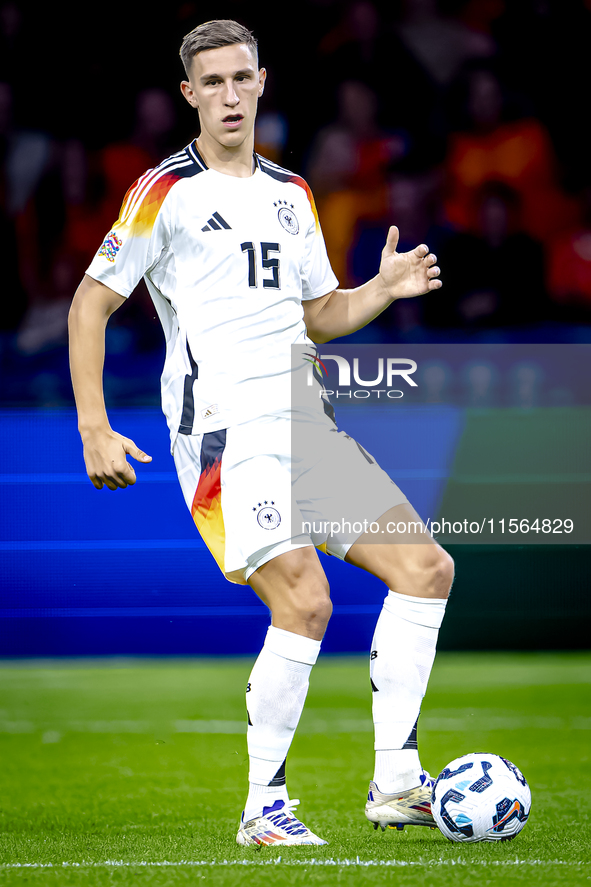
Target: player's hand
{"points": [[407, 274], [105, 455]]}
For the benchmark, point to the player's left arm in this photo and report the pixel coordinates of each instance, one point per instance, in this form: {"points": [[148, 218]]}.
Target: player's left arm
{"points": [[400, 276]]}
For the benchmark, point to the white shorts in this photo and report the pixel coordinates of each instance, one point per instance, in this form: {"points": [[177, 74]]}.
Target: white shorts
{"points": [[271, 485]]}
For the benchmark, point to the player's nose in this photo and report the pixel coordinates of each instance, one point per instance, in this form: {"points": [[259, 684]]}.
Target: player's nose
{"points": [[231, 97]]}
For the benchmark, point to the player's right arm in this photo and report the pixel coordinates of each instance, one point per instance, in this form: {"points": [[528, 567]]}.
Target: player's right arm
{"points": [[105, 450]]}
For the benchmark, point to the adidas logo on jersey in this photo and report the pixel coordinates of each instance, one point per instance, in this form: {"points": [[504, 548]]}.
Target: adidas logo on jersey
{"points": [[216, 223], [211, 410]]}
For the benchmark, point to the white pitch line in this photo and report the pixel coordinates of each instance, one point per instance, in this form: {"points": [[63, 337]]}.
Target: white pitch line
{"points": [[401, 863]]}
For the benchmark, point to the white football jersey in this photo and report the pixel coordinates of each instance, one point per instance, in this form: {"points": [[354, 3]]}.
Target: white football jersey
{"points": [[227, 262]]}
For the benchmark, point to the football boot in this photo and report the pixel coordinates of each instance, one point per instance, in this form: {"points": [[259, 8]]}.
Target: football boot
{"points": [[410, 807], [278, 825]]}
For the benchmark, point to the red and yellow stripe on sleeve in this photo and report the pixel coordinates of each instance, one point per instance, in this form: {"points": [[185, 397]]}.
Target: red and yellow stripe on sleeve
{"points": [[298, 180], [142, 202]]}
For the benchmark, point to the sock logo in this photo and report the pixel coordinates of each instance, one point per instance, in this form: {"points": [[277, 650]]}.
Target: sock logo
{"points": [[248, 688], [373, 654]]}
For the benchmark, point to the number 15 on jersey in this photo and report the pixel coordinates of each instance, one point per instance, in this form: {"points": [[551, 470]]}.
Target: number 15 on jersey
{"points": [[271, 264]]}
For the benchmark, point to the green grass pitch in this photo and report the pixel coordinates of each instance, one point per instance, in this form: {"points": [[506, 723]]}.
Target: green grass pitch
{"points": [[134, 773]]}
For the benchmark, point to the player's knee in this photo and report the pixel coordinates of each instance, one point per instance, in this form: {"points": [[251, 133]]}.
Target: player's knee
{"points": [[312, 605], [444, 573], [429, 570], [438, 573], [305, 606]]}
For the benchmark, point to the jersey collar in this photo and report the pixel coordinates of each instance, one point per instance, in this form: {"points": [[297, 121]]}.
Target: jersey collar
{"points": [[193, 152]]}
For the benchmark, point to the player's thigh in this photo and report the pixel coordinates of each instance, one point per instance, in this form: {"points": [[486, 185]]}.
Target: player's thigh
{"points": [[402, 554], [237, 485], [342, 492]]}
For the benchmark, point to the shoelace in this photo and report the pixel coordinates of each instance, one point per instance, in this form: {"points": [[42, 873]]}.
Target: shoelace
{"points": [[286, 820]]}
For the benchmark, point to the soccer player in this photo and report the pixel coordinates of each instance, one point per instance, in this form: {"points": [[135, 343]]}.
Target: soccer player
{"points": [[232, 253]]}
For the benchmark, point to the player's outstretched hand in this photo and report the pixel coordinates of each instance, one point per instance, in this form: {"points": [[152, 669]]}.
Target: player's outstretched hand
{"points": [[105, 455], [408, 274]]}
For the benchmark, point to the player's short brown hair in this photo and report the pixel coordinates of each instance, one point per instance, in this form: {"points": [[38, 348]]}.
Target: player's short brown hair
{"points": [[212, 35]]}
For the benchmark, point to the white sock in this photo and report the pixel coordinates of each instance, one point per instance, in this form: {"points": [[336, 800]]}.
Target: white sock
{"points": [[397, 770], [261, 796], [275, 697], [403, 650]]}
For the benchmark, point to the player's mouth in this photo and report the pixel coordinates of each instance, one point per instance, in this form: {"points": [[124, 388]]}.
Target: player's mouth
{"points": [[232, 121]]}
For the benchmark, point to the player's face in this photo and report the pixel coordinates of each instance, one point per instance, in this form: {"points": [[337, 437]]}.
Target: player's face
{"points": [[225, 85]]}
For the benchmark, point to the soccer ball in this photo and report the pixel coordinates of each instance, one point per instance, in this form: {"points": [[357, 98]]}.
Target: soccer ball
{"points": [[480, 797]]}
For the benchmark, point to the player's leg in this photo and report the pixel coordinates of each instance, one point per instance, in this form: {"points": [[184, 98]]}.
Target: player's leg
{"points": [[294, 587], [418, 574], [241, 505]]}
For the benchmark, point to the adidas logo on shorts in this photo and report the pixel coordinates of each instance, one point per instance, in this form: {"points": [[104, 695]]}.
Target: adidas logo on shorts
{"points": [[211, 410]]}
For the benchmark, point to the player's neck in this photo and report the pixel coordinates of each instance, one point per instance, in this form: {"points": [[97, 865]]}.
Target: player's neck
{"points": [[237, 162]]}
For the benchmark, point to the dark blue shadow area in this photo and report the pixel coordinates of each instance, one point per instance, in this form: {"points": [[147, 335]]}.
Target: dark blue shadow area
{"points": [[416, 445], [87, 572]]}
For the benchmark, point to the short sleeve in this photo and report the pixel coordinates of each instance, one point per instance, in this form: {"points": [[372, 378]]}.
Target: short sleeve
{"points": [[138, 238], [318, 278]]}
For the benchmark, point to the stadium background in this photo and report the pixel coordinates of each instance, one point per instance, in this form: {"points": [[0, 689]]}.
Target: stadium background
{"points": [[459, 121]]}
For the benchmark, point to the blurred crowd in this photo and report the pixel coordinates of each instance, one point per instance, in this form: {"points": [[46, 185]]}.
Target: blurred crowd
{"points": [[460, 121]]}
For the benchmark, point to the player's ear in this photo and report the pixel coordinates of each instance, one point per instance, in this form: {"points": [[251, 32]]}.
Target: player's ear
{"points": [[187, 91], [262, 78]]}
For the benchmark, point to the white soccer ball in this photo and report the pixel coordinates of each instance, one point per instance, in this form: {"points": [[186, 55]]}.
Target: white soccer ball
{"points": [[480, 797]]}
